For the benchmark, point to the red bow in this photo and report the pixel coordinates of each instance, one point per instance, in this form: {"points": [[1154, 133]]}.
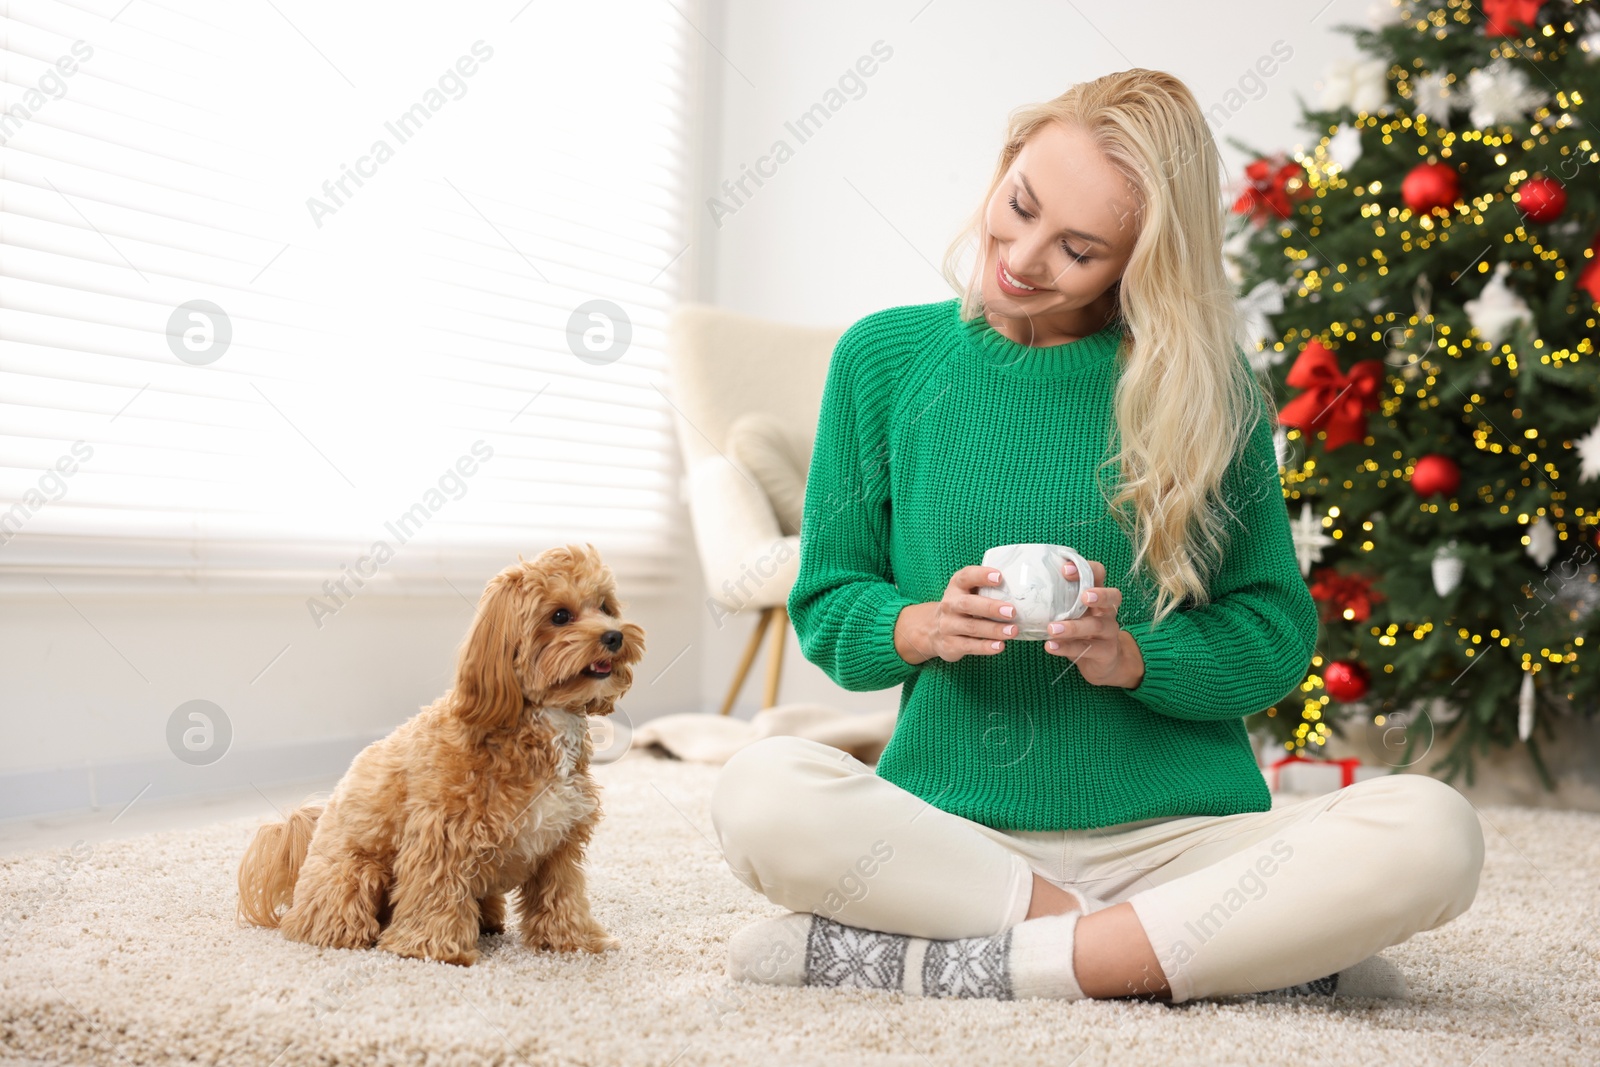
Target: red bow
{"points": [[1339, 592], [1590, 278], [1332, 400], [1510, 18], [1271, 189]]}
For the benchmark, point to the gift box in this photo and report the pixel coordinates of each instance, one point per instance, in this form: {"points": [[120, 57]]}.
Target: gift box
{"points": [[1298, 774]]}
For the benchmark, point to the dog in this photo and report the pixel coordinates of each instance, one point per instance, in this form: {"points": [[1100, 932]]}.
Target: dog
{"points": [[485, 791]]}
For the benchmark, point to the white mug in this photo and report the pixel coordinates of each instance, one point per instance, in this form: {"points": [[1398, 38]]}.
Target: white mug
{"points": [[1031, 579]]}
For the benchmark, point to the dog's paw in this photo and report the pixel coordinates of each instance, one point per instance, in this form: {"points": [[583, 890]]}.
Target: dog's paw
{"points": [[310, 928], [590, 939], [602, 941], [465, 957], [412, 948]]}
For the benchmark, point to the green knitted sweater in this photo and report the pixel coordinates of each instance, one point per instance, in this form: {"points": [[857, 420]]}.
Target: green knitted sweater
{"points": [[939, 438]]}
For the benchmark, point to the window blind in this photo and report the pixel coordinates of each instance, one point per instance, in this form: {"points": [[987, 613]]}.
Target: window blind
{"points": [[287, 293]]}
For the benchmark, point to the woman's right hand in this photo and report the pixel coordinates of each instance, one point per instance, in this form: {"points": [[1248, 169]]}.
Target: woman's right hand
{"points": [[962, 623]]}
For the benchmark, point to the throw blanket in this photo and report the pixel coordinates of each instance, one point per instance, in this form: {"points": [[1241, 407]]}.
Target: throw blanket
{"points": [[702, 738]]}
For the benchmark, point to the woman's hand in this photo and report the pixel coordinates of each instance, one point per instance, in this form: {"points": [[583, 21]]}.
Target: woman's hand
{"points": [[962, 623], [1105, 653]]}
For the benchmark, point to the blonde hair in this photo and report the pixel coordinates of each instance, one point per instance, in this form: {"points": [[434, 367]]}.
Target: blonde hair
{"points": [[1186, 401]]}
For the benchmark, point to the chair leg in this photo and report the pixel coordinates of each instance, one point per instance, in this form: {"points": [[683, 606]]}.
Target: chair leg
{"points": [[749, 657], [775, 655]]}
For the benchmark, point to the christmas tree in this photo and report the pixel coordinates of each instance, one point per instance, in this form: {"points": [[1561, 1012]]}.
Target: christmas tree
{"points": [[1420, 290]]}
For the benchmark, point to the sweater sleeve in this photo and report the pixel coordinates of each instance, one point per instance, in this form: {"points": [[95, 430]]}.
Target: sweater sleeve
{"points": [[1251, 644], [843, 602]]}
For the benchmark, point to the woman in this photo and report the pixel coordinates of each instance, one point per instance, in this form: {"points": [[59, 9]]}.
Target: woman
{"points": [[1085, 817]]}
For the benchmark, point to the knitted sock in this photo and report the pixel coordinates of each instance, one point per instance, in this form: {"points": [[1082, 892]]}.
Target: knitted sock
{"points": [[1030, 959], [1372, 977]]}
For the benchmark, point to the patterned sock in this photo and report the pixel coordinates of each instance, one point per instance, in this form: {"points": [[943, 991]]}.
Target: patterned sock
{"points": [[1031, 959], [1372, 977]]}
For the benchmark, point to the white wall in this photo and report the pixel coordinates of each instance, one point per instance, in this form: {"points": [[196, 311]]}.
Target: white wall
{"points": [[857, 220], [860, 217]]}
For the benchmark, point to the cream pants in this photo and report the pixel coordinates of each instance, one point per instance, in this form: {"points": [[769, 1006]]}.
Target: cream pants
{"points": [[1231, 904]]}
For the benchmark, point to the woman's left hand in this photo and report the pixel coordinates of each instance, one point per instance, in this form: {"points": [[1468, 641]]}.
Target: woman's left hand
{"points": [[1105, 653]]}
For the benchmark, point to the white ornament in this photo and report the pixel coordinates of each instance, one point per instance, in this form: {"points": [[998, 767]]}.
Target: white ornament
{"points": [[1431, 97], [1344, 147], [1280, 446], [1589, 453], [1502, 92], [1497, 308], [1362, 85], [1541, 542], [1525, 707], [1254, 326], [1309, 540], [1447, 569]]}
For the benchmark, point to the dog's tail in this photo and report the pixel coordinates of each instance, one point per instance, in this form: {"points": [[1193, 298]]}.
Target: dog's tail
{"points": [[272, 864]]}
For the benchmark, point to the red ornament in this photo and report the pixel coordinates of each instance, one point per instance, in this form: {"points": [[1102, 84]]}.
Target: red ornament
{"points": [[1272, 188], [1589, 277], [1332, 400], [1429, 186], [1339, 593], [1345, 679], [1540, 199], [1502, 17], [1434, 473]]}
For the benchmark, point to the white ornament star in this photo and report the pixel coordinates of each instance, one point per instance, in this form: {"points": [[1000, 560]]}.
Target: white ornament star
{"points": [[1309, 540], [1255, 328], [1589, 453], [1234, 250], [1430, 97], [1501, 93], [1497, 308], [1541, 541], [1344, 147], [1359, 84]]}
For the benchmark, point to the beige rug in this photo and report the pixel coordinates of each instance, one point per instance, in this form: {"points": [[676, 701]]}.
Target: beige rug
{"points": [[127, 953]]}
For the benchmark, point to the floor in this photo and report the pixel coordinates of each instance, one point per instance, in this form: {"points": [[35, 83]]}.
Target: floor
{"points": [[118, 945]]}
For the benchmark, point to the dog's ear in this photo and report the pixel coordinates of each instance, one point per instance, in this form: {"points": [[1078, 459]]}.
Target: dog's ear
{"points": [[487, 692]]}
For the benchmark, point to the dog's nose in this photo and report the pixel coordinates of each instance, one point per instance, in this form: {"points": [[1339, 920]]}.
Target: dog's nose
{"points": [[612, 639]]}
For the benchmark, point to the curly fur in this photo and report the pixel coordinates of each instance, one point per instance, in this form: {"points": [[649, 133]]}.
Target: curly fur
{"points": [[485, 792]]}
